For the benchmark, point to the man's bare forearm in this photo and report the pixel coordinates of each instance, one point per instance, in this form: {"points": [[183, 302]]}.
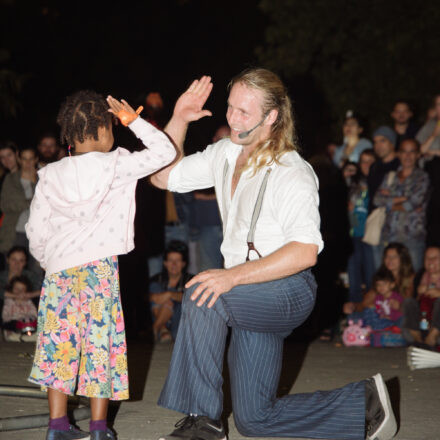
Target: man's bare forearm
{"points": [[292, 258], [176, 130]]}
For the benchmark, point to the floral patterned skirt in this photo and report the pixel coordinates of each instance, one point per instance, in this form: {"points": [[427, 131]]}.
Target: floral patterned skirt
{"points": [[81, 332]]}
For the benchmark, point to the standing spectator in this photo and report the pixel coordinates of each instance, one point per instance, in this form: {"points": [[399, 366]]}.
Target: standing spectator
{"points": [[361, 261], [427, 302], [405, 198], [429, 134], [166, 291], [28, 178], [353, 144], [206, 221], [403, 125], [432, 167], [15, 198], [48, 150], [8, 157], [384, 147], [9, 164]]}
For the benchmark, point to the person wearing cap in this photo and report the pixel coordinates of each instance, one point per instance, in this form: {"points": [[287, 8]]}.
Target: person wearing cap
{"points": [[384, 141], [404, 195]]}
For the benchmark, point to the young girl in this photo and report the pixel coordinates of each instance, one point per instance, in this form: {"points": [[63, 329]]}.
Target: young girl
{"points": [[81, 219], [385, 308], [18, 310]]}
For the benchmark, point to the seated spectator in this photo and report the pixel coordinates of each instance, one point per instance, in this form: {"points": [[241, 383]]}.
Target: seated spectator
{"points": [[15, 198], [361, 261], [166, 291], [353, 144], [405, 196], [397, 260], [422, 314], [429, 135], [384, 307], [19, 313], [403, 125], [16, 266]]}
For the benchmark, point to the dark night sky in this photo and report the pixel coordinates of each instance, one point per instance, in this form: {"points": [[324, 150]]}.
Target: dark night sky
{"points": [[126, 49]]}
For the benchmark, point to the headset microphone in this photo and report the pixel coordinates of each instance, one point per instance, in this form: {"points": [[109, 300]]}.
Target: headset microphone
{"points": [[245, 134]]}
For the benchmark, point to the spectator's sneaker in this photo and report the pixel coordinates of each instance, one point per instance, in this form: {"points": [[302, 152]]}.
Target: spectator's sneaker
{"points": [[197, 427], [380, 421], [102, 435], [72, 434]]}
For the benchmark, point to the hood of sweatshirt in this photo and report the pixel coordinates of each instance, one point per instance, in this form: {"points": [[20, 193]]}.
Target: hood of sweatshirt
{"points": [[76, 186]]}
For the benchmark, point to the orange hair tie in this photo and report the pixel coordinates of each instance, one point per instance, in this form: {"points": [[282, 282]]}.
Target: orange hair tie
{"points": [[127, 118]]}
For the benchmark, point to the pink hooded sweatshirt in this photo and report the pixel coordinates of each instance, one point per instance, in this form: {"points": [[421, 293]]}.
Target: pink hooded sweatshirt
{"points": [[83, 208]]}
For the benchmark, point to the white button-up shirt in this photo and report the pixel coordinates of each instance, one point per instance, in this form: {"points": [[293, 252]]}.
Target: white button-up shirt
{"points": [[290, 205]]}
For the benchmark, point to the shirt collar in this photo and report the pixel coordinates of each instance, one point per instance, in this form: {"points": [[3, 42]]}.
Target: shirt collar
{"points": [[232, 151]]}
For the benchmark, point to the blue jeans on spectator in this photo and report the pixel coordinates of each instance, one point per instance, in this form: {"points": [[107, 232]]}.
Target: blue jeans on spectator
{"points": [[377, 255], [360, 269], [370, 317], [416, 249], [178, 231], [210, 239]]}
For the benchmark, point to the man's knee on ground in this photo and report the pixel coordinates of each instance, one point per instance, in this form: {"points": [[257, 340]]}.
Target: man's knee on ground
{"points": [[249, 423]]}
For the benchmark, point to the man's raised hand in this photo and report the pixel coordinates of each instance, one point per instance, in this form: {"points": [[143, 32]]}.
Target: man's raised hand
{"points": [[189, 106]]}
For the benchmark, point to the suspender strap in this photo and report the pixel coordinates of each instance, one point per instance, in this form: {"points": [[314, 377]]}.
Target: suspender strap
{"points": [[256, 215], [225, 171], [257, 209]]}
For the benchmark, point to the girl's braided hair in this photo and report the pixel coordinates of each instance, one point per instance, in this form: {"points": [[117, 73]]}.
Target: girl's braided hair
{"points": [[80, 116]]}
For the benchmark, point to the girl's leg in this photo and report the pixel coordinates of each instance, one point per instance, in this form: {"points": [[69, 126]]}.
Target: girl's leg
{"points": [[99, 407], [57, 403]]}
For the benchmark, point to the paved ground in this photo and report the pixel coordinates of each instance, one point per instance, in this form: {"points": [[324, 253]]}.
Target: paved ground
{"points": [[317, 366]]}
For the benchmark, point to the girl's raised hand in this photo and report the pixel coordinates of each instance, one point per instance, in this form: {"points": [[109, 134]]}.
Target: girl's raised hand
{"points": [[189, 106], [123, 110]]}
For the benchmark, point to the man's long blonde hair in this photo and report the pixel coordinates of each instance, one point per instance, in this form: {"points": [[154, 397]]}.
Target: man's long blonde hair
{"points": [[283, 137]]}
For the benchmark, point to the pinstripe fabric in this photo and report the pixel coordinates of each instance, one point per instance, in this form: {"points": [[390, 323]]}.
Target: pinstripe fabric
{"points": [[261, 316]]}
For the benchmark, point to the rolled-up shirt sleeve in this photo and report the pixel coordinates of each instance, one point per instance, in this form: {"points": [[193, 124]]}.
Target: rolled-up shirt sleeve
{"points": [[297, 202], [193, 172]]}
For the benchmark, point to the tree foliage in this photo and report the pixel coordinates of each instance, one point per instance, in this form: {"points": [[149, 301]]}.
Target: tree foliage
{"points": [[363, 55]]}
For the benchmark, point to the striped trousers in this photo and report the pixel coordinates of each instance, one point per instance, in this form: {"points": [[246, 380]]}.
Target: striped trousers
{"points": [[261, 316]]}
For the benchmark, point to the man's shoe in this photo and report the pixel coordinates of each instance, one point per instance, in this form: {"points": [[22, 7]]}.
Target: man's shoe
{"points": [[380, 421], [72, 434], [197, 427], [102, 435]]}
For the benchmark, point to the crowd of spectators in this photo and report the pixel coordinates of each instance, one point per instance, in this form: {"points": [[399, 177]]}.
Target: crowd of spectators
{"points": [[396, 171], [396, 168], [20, 274]]}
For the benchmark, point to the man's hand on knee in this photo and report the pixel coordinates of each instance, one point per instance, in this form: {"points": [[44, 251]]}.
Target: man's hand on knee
{"points": [[213, 283]]}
